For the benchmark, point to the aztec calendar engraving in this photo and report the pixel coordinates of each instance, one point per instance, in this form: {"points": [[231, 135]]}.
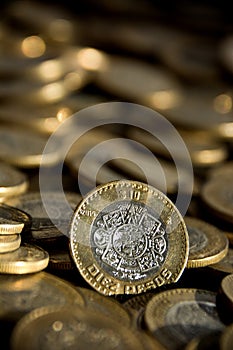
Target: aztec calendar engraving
{"points": [[128, 240]]}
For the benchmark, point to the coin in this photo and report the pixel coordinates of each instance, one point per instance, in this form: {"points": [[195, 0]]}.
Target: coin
{"points": [[9, 243], [226, 338], [127, 237], [226, 264], [177, 316], [206, 342], [21, 148], [207, 244], [217, 195], [20, 294], [12, 220], [109, 307], [62, 327], [12, 181], [44, 227], [224, 299], [136, 307], [26, 259], [134, 79]]}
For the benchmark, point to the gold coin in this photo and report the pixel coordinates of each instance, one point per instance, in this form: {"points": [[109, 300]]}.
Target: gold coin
{"points": [[43, 226], [9, 243], [204, 150], [20, 294], [225, 299], [127, 237], [217, 194], [12, 181], [26, 259], [177, 316], [24, 149], [102, 305], [136, 80], [226, 264], [226, 338], [54, 326], [225, 169], [12, 220], [207, 244]]}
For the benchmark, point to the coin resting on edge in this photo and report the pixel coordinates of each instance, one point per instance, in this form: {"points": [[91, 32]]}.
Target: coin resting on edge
{"points": [[127, 237], [26, 259], [207, 244]]}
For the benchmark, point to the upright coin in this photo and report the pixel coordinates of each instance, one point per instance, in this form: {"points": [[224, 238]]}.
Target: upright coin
{"points": [[127, 237], [9, 243], [26, 259], [179, 315], [21, 294], [12, 220], [71, 327], [207, 244], [12, 181]]}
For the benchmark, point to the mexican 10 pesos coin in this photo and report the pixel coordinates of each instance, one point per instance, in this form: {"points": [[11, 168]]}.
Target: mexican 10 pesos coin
{"points": [[177, 316], [127, 237], [26, 259], [207, 244]]}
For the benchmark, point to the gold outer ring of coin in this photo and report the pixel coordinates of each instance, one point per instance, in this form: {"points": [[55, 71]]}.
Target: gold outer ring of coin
{"points": [[10, 227], [140, 197], [226, 264], [53, 319], [224, 300], [26, 259], [215, 248], [9, 243]]}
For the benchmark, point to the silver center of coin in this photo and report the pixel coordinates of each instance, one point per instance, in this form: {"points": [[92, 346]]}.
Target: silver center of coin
{"points": [[197, 239], [128, 240]]}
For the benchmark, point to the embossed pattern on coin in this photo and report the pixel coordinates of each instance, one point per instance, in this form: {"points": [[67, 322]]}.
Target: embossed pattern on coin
{"points": [[207, 244], [26, 259], [179, 315], [128, 237], [63, 327], [12, 220]]}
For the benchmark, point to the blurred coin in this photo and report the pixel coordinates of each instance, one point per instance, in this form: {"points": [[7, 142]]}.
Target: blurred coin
{"points": [[177, 316], [105, 306], [227, 338], [24, 149], [43, 225], [109, 244], [12, 181], [12, 220], [26, 259], [217, 195], [60, 261], [224, 299], [225, 169], [226, 52], [63, 327], [136, 307], [207, 244], [9, 243], [204, 150], [225, 265], [21, 294], [134, 79]]}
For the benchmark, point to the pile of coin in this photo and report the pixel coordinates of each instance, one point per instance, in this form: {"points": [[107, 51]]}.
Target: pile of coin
{"points": [[122, 268]]}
